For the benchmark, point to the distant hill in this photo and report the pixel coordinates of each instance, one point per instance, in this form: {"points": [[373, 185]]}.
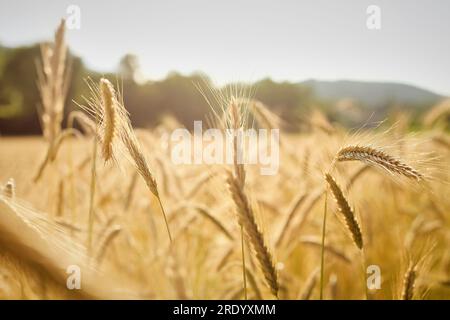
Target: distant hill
{"points": [[372, 94]]}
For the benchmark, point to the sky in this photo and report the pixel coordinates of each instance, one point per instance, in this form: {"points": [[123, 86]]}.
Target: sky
{"points": [[246, 40]]}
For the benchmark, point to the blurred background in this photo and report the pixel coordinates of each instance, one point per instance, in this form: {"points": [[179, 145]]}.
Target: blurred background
{"points": [[294, 55]]}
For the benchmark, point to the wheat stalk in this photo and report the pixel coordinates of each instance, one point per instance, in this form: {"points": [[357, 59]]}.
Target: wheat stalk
{"points": [[356, 175], [310, 283], [60, 199], [253, 284], [84, 121], [316, 242], [130, 191], [92, 188], [290, 216], [70, 226], [205, 213], [203, 180], [52, 151], [346, 211], [108, 238], [378, 158], [223, 261], [313, 200]]}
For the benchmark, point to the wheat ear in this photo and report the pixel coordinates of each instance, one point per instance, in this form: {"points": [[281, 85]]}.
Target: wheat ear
{"points": [[119, 124], [246, 219], [53, 81], [346, 211], [236, 122], [110, 117], [132, 145], [409, 283], [378, 158]]}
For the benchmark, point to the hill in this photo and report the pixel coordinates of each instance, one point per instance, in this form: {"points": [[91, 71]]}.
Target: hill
{"points": [[373, 94]]}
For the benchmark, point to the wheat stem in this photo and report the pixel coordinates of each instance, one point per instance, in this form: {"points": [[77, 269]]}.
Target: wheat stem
{"points": [[322, 254], [92, 194], [244, 274], [165, 217]]}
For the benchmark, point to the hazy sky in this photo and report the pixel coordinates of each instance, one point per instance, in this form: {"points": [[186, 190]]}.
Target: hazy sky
{"points": [[250, 39]]}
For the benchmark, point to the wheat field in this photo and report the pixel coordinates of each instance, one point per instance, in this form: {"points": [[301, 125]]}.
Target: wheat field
{"points": [[400, 222], [345, 206]]}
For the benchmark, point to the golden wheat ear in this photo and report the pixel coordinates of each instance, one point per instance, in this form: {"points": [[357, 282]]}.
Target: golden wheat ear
{"points": [[378, 158], [409, 281], [247, 220], [346, 211], [110, 120], [53, 82]]}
